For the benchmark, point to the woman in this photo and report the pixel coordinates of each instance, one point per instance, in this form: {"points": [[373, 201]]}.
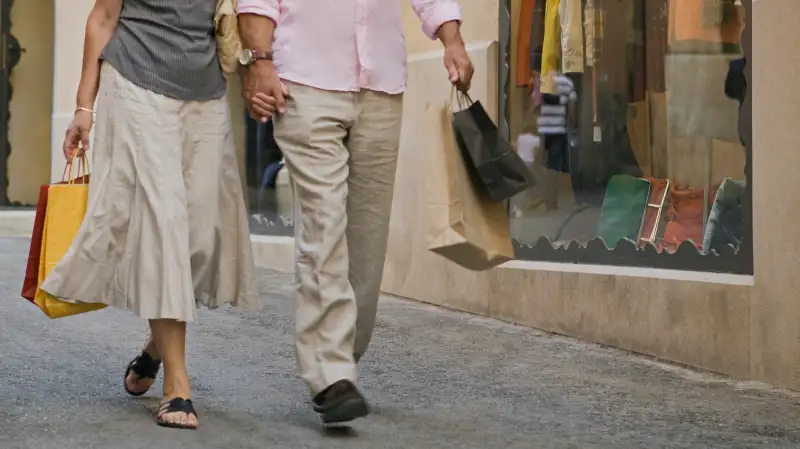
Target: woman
{"points": [[165, 228]]}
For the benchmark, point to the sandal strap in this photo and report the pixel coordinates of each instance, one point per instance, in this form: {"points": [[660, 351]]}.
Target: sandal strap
{"points": [[177, 405], [145, 367]]}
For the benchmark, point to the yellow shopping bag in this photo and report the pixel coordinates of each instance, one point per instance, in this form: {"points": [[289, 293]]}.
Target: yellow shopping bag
{"points": [[66, 207]]}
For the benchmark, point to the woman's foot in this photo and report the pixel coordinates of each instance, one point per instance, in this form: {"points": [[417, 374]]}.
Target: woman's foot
{"points": [[177, 413], [176, 410], [142, 371]]}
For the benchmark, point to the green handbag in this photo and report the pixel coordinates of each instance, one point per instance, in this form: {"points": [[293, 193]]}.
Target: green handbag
{"points": [[623, 209]]}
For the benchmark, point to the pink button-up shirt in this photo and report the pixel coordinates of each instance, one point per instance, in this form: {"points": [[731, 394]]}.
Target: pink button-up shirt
{"points": [[346, 45]]}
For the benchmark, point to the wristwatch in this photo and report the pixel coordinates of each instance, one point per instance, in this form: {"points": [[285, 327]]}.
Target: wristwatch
{"points": [[249, 56]]}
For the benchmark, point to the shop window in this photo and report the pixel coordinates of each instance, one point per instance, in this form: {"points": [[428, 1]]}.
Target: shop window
{"points": [[654, 169], [268, 190]]}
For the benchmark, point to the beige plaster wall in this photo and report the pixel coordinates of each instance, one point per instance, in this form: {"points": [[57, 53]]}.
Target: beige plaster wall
{"points": [[32, 80], [70, 22], [480, 23], [775, 306]]}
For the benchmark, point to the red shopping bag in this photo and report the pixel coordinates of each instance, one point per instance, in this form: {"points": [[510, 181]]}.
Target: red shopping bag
{"points": [[31, 282]]}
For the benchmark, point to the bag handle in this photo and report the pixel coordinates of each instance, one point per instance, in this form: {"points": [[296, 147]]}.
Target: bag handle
{"points": [[83, 168], [462, 99]]}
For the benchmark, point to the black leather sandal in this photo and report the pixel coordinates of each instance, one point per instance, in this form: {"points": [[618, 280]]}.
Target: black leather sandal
{"points": [[177, 405], [144, 367]]}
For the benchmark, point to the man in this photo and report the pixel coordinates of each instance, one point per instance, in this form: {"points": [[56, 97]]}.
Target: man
{"points": [[332, 73]]}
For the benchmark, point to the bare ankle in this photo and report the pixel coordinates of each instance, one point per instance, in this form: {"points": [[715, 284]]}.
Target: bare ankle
{"points": [[151, 349], [177, 387]]}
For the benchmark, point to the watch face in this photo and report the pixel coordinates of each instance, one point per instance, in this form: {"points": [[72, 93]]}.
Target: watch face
{"points": [[245, 57]]}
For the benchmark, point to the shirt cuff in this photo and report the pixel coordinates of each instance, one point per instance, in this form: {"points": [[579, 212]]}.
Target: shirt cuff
{"points": [[443, 12], [266, 9]]}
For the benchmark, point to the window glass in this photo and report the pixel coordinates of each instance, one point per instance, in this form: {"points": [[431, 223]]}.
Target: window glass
{"points": [[268, 190], [654, 154]]}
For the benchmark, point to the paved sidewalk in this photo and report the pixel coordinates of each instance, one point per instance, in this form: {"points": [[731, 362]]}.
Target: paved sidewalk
{"points": [[437, 379]]}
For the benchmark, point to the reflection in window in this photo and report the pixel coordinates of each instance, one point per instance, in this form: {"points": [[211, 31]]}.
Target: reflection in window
{"points": [[268, 189], [654, 154]]}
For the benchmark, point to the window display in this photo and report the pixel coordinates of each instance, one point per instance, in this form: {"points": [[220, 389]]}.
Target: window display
{"points": [[653, 160], [269, 193]]}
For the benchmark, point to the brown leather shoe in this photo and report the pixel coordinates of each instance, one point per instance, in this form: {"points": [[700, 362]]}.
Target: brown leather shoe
{"points": [[341, 402]]}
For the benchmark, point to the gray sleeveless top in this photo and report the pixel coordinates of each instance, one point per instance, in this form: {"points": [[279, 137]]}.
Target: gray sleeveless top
{"points": [[168, 47]]}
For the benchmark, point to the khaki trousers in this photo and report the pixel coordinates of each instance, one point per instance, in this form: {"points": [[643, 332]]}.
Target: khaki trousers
{"points": [[341, 152]]}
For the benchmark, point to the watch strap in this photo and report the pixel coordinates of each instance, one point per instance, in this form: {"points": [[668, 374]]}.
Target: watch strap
{"points": [[261, 55]]}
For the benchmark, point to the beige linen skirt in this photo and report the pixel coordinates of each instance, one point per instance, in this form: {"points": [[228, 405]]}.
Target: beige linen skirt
{"points": [[165, 229]]}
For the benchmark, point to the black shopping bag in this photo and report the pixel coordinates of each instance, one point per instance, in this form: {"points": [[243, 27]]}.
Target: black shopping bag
{"points": [[497, 168]]}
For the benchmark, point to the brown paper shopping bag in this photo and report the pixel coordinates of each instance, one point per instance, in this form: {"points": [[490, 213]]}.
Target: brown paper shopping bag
{"points": [[463, 225]]}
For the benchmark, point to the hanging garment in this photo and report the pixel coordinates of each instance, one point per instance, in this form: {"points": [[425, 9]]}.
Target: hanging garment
{"points": [[593, 29], [522, 70], [551, 47], [537, 35], [590, 31], [570, 17], [736, 81]]}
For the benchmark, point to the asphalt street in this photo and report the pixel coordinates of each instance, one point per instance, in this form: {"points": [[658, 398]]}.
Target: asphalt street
{"points": [[436, 379]]}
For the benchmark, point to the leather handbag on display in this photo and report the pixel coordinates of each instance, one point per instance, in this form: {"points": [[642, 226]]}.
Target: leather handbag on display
{"points": [[685, 217], [623, 209], [659, 193], [726, 221], [497, 168]]}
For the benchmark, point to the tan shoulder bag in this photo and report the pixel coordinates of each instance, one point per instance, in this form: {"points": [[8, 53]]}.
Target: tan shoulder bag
{"points": [[229, 44]]}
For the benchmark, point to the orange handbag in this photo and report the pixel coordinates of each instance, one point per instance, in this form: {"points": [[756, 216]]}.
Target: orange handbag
{"points": [[685, 216]]}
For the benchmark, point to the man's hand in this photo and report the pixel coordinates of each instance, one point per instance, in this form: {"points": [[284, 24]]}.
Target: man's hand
{"points": [[456, 59], [265, 94], [459, 66], [76, 142]]}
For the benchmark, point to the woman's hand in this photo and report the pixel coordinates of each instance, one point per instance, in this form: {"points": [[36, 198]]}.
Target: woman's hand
{"points": [[77, 137]]}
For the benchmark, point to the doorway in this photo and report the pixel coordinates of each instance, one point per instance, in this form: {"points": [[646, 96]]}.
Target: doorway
{"points": [[27, 57], [7, 40]]}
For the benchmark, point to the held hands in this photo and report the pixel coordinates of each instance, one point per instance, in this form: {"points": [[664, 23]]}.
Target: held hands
{"points": [[77, 137], [264, 92], [459, 66]]}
